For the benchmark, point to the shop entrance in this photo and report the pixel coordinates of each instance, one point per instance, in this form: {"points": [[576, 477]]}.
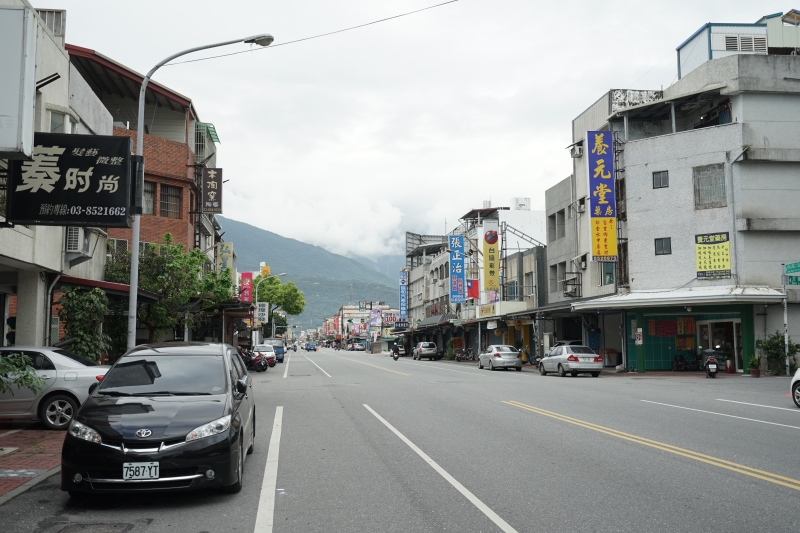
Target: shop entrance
{"points": [[724, 337]]}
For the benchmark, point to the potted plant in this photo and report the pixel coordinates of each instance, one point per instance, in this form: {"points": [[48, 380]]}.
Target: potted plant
{"points": [[754, 364]]}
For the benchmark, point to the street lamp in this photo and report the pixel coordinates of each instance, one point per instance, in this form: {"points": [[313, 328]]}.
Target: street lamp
{"points": [[261, 40]]}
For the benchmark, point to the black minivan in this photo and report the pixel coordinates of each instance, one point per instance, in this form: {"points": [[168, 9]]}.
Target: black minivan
{"points": [[166, 417]]}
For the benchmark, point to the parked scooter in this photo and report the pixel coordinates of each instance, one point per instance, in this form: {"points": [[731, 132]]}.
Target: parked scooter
{"points": [[711, 364], [254, 361]]}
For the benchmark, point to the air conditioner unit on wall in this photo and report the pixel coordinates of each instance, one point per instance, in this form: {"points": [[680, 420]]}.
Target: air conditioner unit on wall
{"points": [[76, 247], [576, 151]]}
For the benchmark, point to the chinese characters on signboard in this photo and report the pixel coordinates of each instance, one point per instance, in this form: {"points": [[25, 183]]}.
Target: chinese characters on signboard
{"points": [[212, 191], [246, 288], [457, 278], [262, 312], [491, 257], [264, 271], [224, 256], [72, 180], [602, 195], [713, 253], [403, 294]]}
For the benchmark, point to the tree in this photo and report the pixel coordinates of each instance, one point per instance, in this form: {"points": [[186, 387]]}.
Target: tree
{"points": [[16, 372], [186, 292], [279, 295], [774, 349], [82, 312]]}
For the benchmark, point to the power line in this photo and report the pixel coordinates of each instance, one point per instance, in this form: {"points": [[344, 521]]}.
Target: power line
{"points": [[315, 36]]}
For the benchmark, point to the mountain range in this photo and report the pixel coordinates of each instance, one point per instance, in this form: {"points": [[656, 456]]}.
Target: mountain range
{"points": [[326, 279]]}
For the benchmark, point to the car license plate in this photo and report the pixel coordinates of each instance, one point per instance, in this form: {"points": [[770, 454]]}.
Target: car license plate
{"points": [[586, 359], [140, 470], [712, 367]]}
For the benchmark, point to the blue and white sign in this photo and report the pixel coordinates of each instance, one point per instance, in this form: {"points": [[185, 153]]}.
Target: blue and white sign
{"points": [[458, 287], [403, 294]]}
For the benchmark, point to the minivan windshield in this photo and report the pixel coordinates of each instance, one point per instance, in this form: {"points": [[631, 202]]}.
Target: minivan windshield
{"points": [[165, 375]]}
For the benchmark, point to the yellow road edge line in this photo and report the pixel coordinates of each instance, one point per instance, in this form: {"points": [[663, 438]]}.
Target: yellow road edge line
{"points": [[763, 475], [644, 440], [373, 366]]}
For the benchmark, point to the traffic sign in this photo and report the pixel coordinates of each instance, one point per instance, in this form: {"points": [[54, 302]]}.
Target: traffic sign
{"points": [[793, 268], [793, 280]]}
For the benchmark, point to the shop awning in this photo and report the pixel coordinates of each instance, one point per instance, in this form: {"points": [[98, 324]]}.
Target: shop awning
{"points": [[436, 320], [688, 296], [116, 289]]}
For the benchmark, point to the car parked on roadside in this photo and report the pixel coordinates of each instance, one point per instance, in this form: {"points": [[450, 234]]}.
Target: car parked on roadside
{"points": [[426, 349], [166, 417], [568, 343], [358, 347], [500, 356], [795, 387], [67, 378], [571, 360]]}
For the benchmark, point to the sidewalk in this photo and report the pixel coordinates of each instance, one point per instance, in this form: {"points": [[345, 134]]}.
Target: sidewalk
{"points": [[26, 453]]}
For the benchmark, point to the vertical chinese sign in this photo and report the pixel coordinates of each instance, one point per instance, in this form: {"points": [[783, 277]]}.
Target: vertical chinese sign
{"points": [[403, 294], [246, 288], [491, 259], [212, 191], [72, 180], [224, 256], [457, 281], [602, 195], [713, 254], [264, 271]]}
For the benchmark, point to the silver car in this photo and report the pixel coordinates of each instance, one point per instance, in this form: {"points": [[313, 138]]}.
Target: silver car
{"points": [[66, 386], [426, 349], [500, 356], [572, 360]]}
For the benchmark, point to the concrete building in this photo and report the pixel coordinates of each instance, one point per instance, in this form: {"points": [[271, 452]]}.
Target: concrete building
{"points": [[707, 212], [34, 258]]}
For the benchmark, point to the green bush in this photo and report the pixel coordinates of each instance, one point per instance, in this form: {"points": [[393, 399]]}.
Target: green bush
{"points": [[82, 312], [773, 348]]}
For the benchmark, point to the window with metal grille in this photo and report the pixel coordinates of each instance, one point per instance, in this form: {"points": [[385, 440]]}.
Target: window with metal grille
{"points": [[117, 248], [54, 329], [660, 179], [170, 201], [149, 198], [664, 246], [709, 186]]}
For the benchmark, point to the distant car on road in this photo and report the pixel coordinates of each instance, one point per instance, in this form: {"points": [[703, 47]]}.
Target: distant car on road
{"points": [[426, 349], [572, 360], [311, 347], [358, 347], [278, 345], [500, 356], [67, 378]]}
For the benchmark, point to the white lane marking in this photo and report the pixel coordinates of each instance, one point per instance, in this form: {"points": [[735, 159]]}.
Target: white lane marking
{"points": [[13, 431], [286, 371], [745, 403], [494, 517], [316, 365], [266, 502], [723, 414]]}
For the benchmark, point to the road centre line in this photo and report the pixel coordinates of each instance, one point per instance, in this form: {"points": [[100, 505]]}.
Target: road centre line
{"points": [[723, 414], [373, 366], [494, 517], [316, 365], [753, 404], [286, 371], [265, 518], [714, 461]]}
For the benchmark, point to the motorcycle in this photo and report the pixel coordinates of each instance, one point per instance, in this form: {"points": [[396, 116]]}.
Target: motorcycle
{"points": [[711, 365], [395, 353], [254, 361], [465, 355], [294, 347]]}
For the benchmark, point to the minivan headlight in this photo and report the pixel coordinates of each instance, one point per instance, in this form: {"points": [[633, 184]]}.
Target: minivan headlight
{"points": [[212, 428], [81, 431]]}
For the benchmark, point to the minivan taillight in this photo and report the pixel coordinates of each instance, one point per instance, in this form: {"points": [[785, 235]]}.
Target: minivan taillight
{"points": [[573, 359]]}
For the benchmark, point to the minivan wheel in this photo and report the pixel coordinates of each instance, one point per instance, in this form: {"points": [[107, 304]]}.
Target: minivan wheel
{"points": [[57, 412], [561, 372], [237, 485]]}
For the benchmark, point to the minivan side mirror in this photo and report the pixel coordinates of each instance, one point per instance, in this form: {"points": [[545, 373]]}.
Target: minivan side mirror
{"points": [[93, 386], [241, 386]]}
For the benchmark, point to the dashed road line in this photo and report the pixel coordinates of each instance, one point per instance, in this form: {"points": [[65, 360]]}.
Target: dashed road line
{"points": [[265, 518], [722, 414]]}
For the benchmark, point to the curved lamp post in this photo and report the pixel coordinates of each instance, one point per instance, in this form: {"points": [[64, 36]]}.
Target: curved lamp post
{"points": [[261, 40]]}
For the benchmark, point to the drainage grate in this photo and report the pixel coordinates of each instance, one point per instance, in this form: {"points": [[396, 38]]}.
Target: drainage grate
{"points": [[97, 528]]}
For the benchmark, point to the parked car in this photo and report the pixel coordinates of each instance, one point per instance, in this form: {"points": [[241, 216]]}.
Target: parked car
{"points": [[795, 387], [358, 347], [277, 345], [568, 343], [166, 417], [67, 378], [426, 349], [572, 360], [500, 356]]}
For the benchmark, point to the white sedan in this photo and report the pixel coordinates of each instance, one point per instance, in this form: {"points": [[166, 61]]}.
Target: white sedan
{"points": [[500, 356], [572, 360]]}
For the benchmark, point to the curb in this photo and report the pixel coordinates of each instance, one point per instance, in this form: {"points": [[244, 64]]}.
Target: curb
{"points": [[28, 485]]}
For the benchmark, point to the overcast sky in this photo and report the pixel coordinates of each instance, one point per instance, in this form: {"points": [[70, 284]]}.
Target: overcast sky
{"points": [[350, 140]]}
